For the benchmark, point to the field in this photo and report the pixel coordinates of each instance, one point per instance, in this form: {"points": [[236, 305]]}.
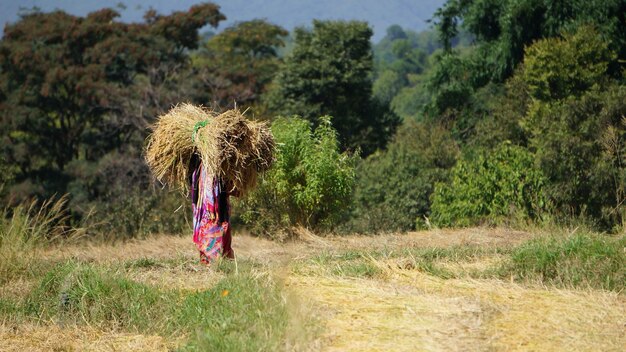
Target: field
{"points": [[435, 290]]}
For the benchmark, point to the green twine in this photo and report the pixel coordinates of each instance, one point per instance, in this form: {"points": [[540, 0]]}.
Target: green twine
{"points": [[197, 126]]}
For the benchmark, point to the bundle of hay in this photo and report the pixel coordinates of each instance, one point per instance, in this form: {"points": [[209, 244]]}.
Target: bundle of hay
{"points": [[229, 146]]}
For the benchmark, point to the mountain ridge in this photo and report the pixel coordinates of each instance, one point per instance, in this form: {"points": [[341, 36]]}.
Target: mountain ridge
{"points": [[286, 13]]}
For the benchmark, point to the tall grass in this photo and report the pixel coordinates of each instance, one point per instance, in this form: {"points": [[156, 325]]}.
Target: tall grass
{"points": [[579, 260], [25, 230], [245, 311]]}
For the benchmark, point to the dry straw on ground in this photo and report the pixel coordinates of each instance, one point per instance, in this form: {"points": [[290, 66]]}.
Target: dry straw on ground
{"points": [[229, 146], [402, 308], [44, 337]]}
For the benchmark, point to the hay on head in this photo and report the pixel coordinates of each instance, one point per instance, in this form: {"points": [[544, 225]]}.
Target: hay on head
{"points": [[229, 146]]}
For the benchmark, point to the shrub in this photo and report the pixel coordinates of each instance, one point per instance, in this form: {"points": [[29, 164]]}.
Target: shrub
{"points": [[310, 184], [490, 187], [575, 124], [140, 213], [393, 186], [556, 68], [122, 200]]}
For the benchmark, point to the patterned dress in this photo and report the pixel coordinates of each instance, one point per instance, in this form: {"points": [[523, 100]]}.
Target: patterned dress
{"points": [[211, 216]]}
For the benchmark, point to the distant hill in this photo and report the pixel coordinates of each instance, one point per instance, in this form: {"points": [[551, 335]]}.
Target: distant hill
{"points": [[287, 13]]}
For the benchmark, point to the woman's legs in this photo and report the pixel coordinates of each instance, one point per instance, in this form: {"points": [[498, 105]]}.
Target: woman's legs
{"points": [[227, 250]]}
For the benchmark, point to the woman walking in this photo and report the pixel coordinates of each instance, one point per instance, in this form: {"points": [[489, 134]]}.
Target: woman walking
{"points": [[211, 213], [213, 156]]}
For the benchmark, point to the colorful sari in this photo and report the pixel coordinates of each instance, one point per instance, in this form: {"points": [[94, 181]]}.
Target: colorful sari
{"points": [[211, 216]]}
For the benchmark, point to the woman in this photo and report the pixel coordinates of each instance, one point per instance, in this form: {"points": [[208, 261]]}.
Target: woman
{"points": [[211, 213]]}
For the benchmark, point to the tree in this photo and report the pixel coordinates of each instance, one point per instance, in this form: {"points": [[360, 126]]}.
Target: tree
{"points": [[408, 62], [76, 88], [574, 122], [555, 68], [387, 85], [329, 73], [502, 30], [402, 66], [394, 186], [395, 32], [237, 64]]}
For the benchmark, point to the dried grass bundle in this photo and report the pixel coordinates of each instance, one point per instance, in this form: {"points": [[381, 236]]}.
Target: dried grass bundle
{"points": [[229, 146]]}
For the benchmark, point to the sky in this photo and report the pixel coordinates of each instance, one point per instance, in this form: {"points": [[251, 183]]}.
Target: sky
{"points": [[411, 14]]}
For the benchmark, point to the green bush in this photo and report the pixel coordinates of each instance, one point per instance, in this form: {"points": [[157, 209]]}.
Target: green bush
{"points": [[310, 184], [119, 198], [139, 214], [490, 187], [393, 186], [575, 124], [555, 68]]}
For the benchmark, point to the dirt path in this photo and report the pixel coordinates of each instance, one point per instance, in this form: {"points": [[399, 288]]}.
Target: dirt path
{"points": [[413, 311], [248, 247], [409, 310], [404, 309]]}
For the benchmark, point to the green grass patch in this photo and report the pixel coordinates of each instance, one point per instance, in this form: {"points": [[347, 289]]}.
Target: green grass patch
{"points": [[367, 264], [356, 264], [356, 268], [246, 311], [72, 292], [241, 313], [8, 307], [580, 260], [454, 253], [143, 263]]}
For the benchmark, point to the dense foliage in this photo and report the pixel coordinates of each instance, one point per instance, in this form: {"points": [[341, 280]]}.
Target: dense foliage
{"points": [[237, 65], [329, 73], [575, 123], [504, 28], [502, 31], [77, 94], [531, 93], [403, 59], [497, 186], [310, 184], [393, 187]]}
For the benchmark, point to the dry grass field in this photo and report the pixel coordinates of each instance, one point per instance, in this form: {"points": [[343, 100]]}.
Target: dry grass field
{"points": [[354, 293]]}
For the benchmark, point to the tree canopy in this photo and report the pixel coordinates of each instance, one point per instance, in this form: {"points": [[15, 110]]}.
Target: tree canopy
{"points": [[504, 28], [518, 113], [329, 72], [237, 65], [68, 85]]}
